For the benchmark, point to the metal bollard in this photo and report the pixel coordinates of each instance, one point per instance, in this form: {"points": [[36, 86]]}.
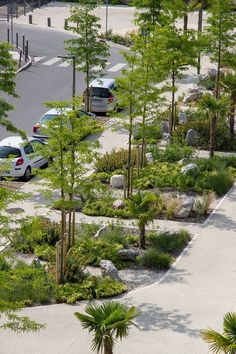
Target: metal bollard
{"points": [[20, 58], [8, 35], [26, 51], [66, 24], [30, 19], [17, 40], [23, 43], [8, 17], [49, 21]]}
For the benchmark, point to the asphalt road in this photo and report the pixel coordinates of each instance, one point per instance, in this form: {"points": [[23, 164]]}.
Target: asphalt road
{"points": [[45, 83]]}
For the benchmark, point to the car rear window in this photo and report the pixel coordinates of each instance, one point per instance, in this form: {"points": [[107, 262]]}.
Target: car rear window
{"points": [[8, 151], [48, 117], [100, 92]]}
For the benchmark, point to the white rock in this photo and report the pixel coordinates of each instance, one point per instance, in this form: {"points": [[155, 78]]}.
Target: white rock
{"points": [[149, 157], [190, 168], [117, 181], [108, 268], [118, 204], [185, 208]]}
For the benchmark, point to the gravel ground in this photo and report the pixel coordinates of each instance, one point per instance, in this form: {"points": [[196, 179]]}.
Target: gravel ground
{"points": [[135, 277]]}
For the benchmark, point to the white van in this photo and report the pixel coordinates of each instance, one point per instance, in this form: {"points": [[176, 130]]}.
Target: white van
{"points": [[103, 98]]}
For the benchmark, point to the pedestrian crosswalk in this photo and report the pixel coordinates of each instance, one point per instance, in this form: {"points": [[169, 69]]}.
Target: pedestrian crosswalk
{"points": [[43, 60]]}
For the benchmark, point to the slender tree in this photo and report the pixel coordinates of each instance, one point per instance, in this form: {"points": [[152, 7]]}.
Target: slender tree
{"points": [[214, 107], [108, 322], [225, 342], [229, 84], [148, 12], [143, 206], [90, 52]]}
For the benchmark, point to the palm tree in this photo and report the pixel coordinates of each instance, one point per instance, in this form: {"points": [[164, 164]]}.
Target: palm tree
{"points": [[143, 207], [214, 108], [109, 322], [225, 342]]}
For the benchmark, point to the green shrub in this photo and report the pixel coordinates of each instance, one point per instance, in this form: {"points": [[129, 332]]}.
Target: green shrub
{"points": [[172, 153], [170, 242], [4, 265], [27, 285], [152, 134], [114, 160], [91, 251], [220, 182], [45, 252], [154, 259], [74, 267], [92, 288], [103, 207]]}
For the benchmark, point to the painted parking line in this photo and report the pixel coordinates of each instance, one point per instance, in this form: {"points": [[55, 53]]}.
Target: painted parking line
{"points": [[52, 61], [65, 64], [37, 59], [117, 67]]}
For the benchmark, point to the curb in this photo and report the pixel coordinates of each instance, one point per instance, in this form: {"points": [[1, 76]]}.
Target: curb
{"points": [[26, 65]]}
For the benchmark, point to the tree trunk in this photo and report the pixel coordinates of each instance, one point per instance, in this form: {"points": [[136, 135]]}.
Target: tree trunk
{"points": [[232, 114], [172, 101], [107, 347], [63, 233], [212, 135], [185, 21], [142, 238], [200, 17]]}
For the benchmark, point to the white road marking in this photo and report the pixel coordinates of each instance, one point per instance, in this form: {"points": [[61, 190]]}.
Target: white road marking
{"points": [[98, 67], [52, 61], [117, 67], [65, 64], [37, 59]]}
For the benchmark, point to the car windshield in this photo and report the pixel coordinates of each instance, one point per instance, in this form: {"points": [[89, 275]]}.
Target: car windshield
{"points": [[8, 151], [47, 118], [100, 92]]}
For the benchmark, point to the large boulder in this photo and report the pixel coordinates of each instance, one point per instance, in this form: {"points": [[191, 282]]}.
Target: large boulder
{"points": [[117, 181], [128, 254], [185, 208], [191, 137], [108, 269], [165, 127], [190, 169], [183, 161], [166, 137], [118, 204], [182, 118], [192, 97]]}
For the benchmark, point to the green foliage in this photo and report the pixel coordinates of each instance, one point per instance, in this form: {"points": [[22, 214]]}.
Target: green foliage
{"points": [[172, 153], [35, 231], [103, 207], [126, 40], [91, 251], [108, 322], [91, 288], [218, 181], [169, 242], [114, 160], [155, 259], [4, 265], [45, 252], [74, 267], [26, 285], [152, 133]]}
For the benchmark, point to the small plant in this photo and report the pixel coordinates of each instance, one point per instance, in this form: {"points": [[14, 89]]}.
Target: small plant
{"points": [[107, 322], [170, 204], [155, 259], [170, 242], [220, 182], [202, 204], [114, 160]]}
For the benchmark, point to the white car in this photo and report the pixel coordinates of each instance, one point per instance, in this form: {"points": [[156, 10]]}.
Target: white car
{"points": [[18, 157]]}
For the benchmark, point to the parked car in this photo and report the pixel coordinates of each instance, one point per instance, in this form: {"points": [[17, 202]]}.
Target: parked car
{"points": [[103, 97], [49, 116], [18, 157]]}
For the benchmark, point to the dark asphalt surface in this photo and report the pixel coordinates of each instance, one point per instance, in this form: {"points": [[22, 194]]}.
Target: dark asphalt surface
{"points": [[41, 83]]}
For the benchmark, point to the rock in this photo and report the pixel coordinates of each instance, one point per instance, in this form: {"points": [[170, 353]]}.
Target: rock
{"points": [[199, 206], [185, 208], [118, 204], [183, 161], [149, 157], [191, 169], [117, 181], [36, 262], [182, 118], [101, 231], [165, 127], [212, 72], [194, 89], [128, 254], [166, 136], [192, 97], [191, 137], [108, 268]]}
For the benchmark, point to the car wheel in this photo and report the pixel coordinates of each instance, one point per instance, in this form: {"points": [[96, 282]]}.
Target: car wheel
{"points": [[27, 174]]}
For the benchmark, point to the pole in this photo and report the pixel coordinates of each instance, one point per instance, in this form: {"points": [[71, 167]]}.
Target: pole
{"points": [[12, 27], [106, 18], [23, 43], [17, 40], [8, 35], [73, 81]]}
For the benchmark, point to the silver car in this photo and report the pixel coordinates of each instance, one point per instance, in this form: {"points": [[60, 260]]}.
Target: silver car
{"points": [[39, 133]]}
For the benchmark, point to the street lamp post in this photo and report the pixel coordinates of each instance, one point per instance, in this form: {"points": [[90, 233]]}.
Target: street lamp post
{"points": [[71, 57]]}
